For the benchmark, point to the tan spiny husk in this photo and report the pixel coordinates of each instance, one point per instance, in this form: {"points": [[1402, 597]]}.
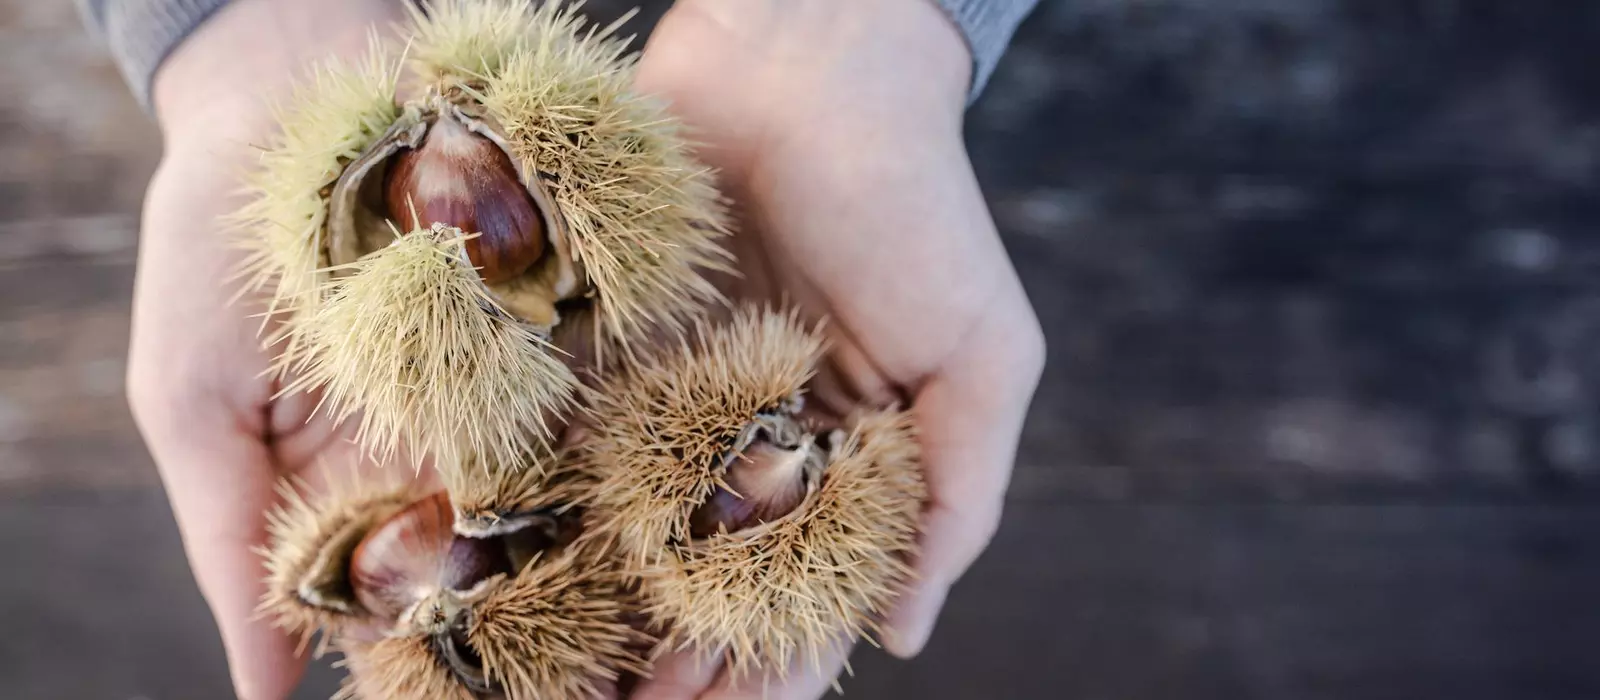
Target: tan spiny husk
{"points": [[684, 407], [484, 494], [297, 530], [397, 668], [338, 111], [412, 346], [785, 593], [781, 593], [642, 217], [645, 218], [559, 629], [564, 626]]}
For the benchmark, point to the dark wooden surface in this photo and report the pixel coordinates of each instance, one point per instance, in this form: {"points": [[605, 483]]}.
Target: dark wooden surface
{"points": [[1322, 416]]}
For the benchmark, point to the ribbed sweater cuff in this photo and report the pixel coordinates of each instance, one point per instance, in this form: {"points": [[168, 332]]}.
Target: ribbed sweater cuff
{"points": [[988, 26], [141, 33]]}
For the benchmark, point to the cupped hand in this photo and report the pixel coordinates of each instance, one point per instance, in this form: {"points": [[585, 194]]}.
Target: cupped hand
{"points": [[837, 134], [197, 376]]}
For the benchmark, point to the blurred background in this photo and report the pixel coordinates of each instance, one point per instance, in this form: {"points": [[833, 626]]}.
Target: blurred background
{"points": [[1321, 419]]}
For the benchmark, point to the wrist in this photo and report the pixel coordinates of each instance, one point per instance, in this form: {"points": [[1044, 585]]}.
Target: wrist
{"points": [[226, 73]]}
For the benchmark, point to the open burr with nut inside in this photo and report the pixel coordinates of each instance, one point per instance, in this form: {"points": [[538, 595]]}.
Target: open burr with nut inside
{"points": [[421, 611], [444, 263], [753, 524]]}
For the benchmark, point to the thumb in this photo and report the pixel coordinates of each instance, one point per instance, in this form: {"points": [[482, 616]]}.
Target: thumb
{"points": [[971, 417]]}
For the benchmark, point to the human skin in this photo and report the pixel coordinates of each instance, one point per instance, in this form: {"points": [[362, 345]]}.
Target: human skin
{"points": [[837, 135]]}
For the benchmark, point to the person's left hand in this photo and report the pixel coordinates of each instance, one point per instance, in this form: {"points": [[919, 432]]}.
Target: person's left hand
{"points": [[837, 131]]}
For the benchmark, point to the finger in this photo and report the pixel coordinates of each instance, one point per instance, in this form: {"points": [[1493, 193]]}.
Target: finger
{"points": [[970, 418], [220, 482], [679, 675], [807, 679]]}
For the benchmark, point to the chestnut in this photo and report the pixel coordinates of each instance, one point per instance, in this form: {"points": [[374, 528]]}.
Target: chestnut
{"points": [[462, 179], [413, 575], [774, 465], [445, 163]]}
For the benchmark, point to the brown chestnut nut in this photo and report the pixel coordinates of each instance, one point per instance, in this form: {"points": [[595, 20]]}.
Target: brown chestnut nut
{"points": [[773, 467], [444, 164], [414, 575], [464, 180], [415, 556]]}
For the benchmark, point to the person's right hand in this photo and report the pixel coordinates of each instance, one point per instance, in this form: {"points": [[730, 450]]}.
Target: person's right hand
{"points": [[196, 378]]}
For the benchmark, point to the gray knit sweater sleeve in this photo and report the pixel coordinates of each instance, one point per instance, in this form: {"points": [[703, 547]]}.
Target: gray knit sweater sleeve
{"points": [[141, 33], [988, 26]]}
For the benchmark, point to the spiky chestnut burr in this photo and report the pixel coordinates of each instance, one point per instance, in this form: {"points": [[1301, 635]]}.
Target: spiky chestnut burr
{"points": [[423, 612], [488, 496], [411, 336], [580, 204], [751, 526], [312, 540]]}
